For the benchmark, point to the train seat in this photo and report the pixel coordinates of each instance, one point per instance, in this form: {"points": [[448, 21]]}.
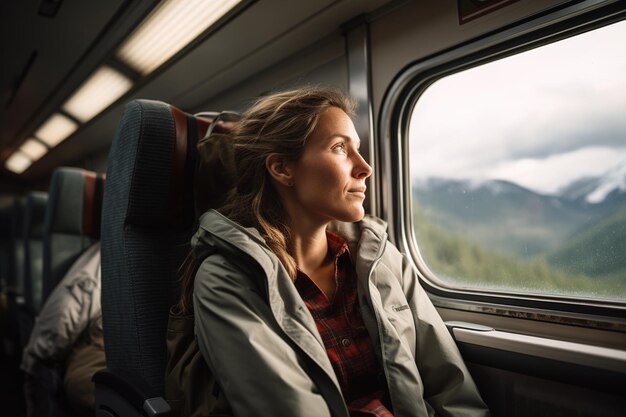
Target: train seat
{"points": [[15, 281], [72, 221], [35, 208], [147, 221], [71, 225]]}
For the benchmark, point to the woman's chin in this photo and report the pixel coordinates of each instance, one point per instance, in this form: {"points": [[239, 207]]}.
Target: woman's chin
{"points": [[353, 215]]}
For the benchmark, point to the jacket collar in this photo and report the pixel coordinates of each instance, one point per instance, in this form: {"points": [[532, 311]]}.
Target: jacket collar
{"points": [[217, 233], [365, 238]]}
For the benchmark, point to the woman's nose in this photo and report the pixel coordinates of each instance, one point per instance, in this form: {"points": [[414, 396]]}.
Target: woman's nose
{"points": [[362, 169]]}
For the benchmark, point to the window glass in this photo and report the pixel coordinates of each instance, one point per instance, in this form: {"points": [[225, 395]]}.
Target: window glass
{"points": [[518, 171]]}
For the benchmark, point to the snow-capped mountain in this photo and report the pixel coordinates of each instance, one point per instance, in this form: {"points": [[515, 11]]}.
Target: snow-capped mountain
{"points": [[590, 190], [596, 190], [527, 219], [513, 220], [613, 181], [578, 189]]}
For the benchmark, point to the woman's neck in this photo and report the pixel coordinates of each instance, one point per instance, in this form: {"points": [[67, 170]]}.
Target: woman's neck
{"points": [[309, 248]]}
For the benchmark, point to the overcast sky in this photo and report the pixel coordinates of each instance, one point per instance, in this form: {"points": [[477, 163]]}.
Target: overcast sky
{"points": [[540, 119]]}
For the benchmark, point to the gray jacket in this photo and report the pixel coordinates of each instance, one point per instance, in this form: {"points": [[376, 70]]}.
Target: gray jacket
{"points": [[67, 313], [262, 344]]}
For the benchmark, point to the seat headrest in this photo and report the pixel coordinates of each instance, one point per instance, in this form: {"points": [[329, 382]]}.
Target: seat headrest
{"points": [[35, 209], [152, 164], [75, 203], [17, 218]]}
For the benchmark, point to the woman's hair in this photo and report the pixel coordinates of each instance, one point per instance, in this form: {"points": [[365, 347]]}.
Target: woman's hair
{"points": [[278, 123]]}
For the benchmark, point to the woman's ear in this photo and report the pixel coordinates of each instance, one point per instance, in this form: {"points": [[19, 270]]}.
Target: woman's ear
{"points": [[279, 169]]}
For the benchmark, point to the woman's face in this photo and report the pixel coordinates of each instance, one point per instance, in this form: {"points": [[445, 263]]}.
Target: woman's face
{"points": [[329, 178]]}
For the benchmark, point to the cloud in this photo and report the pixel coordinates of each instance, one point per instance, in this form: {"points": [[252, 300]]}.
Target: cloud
{"points": [[548, 175], [560, 102]]}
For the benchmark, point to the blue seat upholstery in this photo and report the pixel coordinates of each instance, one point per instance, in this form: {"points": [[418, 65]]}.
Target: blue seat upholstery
{"points": [[33, 250], [15, 301], [72, 221], [147, 221], [25, 288], [28, 305], [16, 280]]}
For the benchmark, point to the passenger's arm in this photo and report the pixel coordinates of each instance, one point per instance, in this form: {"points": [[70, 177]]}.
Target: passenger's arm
{"points": [[66, 313], [448, 386], [238, 336]]}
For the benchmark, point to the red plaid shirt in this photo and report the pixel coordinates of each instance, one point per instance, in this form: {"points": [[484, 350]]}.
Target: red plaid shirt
{"points": [[345, 337]]}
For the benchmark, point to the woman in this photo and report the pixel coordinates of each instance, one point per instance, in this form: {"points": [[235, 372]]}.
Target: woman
{"points": [[302, 307]]}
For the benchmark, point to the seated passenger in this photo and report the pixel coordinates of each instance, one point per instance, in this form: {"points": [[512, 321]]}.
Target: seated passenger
{"points": [[302, 307], [67, 337]]}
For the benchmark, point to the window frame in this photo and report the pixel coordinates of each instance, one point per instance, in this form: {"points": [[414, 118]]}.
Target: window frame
{"points": [[393, 156]]}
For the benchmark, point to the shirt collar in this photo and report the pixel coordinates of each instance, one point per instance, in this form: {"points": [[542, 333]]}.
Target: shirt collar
{"points": [[337, 245]]}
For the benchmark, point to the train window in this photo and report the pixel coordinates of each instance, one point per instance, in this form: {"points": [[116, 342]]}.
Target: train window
{"points": [[518, 171]]}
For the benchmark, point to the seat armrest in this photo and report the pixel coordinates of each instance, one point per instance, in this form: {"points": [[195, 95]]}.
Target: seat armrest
{"points": [[121, 394], [451, 325]]}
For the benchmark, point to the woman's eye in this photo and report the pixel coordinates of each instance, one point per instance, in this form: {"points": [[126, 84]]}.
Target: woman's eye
{"points": [[340, 147]]}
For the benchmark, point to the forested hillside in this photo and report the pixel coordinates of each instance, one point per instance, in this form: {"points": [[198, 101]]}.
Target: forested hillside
{"points": [[598, 250], [457, 260]]}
